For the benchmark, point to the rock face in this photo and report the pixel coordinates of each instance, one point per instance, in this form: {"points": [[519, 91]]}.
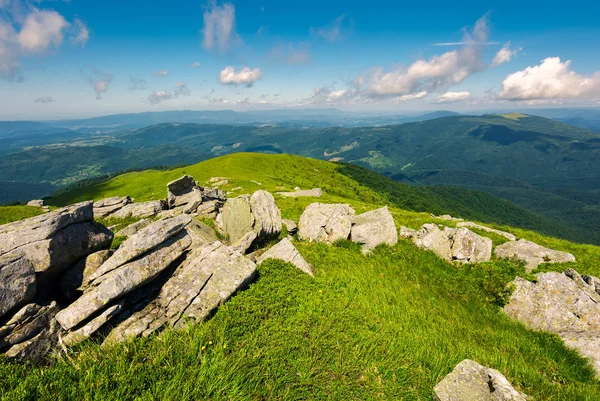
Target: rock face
{"points": [[531, 253], [287, 252], [108, 206], [470, 381], [373, 228], [255, 213], [73, 278], [508, 236], [267, 217], [325, 222], [316, 192], [451, 244], [237, 218], [567, 304], [17, 282]]}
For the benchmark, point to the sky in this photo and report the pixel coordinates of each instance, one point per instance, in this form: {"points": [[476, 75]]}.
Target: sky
{"points": [[82, 58]]}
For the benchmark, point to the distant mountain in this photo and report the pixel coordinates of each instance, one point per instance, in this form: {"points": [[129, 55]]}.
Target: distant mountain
{"points": [[588, 118], [16, 135]]}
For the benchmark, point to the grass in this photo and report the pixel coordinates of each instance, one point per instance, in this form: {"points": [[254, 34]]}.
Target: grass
{"points": [[8, 214]]}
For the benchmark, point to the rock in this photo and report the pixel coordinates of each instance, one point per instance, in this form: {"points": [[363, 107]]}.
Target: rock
{"points": [[563, 303], [237, 218], [200, 233], [208, 209], [36, 203], [215, 179], [31, 320], [267, 217], [17, 282], [105, 207], [145, 240], [406, 232], [325, 222], [432, 238], [206, 279], [451, 244], [167, 214], [446, 217], [123, 279], [470, 381], [244, 243], [290, 225], [73, 278], [531, 253], [373, 228], [508, 236], [77, 336], [140, 210], [287, 252], [184, 191], [133, 228], [315, 192], [215, 194]]}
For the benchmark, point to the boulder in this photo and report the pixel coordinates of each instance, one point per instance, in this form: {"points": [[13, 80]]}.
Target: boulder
{"points": [[267, 217], [237, 218], [406, 232], [373, 228], [200, 233], [290, 225], [73, 278], [133, 228], [244, 243], [105, 207], [79, 335], [184, 191], [469, 381], [286, 251], [145, 240], [446, 217], [123, 279], [36, 203], [531, 253], [325, 222], [460, 245], [508, 236], [17, 282], [432, 238], [315, 192], [208, 209], [139, 210], [567, 304], [214, 194]]}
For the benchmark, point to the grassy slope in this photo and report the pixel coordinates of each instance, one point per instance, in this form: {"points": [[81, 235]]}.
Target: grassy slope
{"points": [[385, 326], [8, 214]]}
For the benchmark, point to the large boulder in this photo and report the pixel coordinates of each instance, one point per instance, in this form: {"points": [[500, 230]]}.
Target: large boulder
{"points": [[325, 222], [36, 203], [17, 282], [373, 228], [237, 217], [257, 213], [139, 210], [460, 245], [133, 228], [567, 304], [470, 381], [267, 217], [77, 275], [108, 206], [287, 252], [184, 191], [531, 253]]}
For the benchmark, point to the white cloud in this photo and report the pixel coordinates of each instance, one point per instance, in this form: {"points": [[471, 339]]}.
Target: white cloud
{"points": [[45, 99], [180, 89], [552, 79], [440, 71], [100, 81], [83, 33], [505, 54], [406, 98], [41, 29], [245, 77], [332, 32], [464, 43], [219, 26], [160, 73], [452, 97], [195, 64]]}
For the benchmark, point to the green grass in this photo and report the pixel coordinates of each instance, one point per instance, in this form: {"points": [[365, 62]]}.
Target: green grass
{"points": [[8, 214]]}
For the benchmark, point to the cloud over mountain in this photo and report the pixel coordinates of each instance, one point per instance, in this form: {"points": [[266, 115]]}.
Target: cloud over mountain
{"points": [[244, 77]]}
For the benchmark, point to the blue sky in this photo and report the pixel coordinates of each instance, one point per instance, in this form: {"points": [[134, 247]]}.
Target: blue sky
{"points": [[84, 58]]}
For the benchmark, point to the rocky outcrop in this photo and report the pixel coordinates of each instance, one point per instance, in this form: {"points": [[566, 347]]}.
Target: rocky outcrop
{"points": [[315, 192], [140, 210], [373, 228], [287, 252], [17, 282], [257, 213], [77, 275], [108, 206], [290, 225], [451, 244], [325, 222], [133, 228], [267, 217], [237, 218], [470, 381], [531, 253], [567, 304], [508, 236]]}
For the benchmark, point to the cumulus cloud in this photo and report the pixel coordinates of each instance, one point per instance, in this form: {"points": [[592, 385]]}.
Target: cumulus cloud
{"points": [[406, 98], [41, 29], [161, 73], [452, 97], [195, 64], [99, 80], [332, 32], [45, 99], [552, 79], [505, 54], [291, 54], [136, 84], [180, 89], [82, 33], [244, 77], [219, 26]]}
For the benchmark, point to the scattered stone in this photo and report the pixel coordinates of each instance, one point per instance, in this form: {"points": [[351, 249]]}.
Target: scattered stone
{"points": [[36, 203], [214, 194], [77, 275], [215, 179], [461, 245], [290, 225], [531, 253], [287, 252], [469, 381], [447, 217], [508, 236], [406, 232], [373, 228], [133, 228], [140, 210], [236, 189], [17, 282], [108, 206], [315, 192], [325, 222], [567, 304], [256, 182]]}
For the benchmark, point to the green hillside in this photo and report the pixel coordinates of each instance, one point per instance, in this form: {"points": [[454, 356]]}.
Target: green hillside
{"points": [[380, 327]]}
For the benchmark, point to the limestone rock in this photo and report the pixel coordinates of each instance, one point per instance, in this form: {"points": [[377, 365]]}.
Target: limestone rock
{"points": [[508, 236], [325, 222], [267, 217], [133, 228], [79, 335], [184, 192], [146, 239], [446, 217], [292, 227], [567, 304], [244, 243], [140, 210], [432, 238], [73, 278], [470, 381], [406, 232], [208, 209], [237, 218], [287, 252], [200, 233], [36, 203], [531, 253], [461, 245], [17, 282], [373, 228], [214, 194], [124, 279], [315, 192], [105, 207]]}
